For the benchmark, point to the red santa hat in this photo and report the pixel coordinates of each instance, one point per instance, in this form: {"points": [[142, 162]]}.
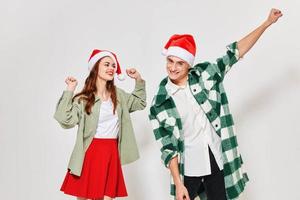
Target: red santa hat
{"points": [[181, 46], [98, 54]]}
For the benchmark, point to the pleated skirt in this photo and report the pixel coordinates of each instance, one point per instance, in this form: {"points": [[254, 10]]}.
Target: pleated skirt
{"points": [[101, 173]]}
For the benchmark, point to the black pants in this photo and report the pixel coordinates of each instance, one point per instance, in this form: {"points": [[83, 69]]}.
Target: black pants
{"points": [[213, 185]]}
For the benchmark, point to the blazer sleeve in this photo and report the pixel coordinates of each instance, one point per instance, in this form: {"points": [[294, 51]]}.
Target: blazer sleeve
{"points": [[68, 112], [137, 99]]}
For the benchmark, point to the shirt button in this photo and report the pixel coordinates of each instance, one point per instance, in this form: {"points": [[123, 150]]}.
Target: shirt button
{"points": [[216, 125]]}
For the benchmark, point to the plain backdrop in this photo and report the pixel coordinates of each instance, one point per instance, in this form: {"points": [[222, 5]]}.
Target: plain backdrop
{"points": [[43, 42]]}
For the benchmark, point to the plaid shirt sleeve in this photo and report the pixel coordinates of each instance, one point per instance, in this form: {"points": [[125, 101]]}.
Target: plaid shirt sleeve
{"points": [[224, 63], [167, 141]]}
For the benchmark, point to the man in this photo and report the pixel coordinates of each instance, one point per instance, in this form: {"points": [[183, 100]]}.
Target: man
{"points": [[191, 119]]}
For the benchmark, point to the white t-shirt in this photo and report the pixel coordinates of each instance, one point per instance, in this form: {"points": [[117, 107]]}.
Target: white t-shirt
{"points": [[198, 133], [108, 124]]}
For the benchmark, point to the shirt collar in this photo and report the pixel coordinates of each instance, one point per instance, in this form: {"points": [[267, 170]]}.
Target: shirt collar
{"points": [[173, 88]]}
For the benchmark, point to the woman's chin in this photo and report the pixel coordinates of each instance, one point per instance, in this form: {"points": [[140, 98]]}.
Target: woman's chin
{"points": [[107, 78]]}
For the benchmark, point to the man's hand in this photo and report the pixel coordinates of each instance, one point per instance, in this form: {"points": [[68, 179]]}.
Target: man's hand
{"points": [[274, 15], [181, 192]]}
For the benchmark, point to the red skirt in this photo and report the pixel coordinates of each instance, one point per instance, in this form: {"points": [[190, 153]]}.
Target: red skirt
{"points": [[101, 173]]}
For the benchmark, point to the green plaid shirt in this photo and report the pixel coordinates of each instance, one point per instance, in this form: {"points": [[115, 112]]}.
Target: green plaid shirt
{"points": [[206, 84]]}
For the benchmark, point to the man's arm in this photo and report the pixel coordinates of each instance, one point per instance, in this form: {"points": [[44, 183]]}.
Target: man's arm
{"points": [[181, 191], [245, 44], [169, 150]]}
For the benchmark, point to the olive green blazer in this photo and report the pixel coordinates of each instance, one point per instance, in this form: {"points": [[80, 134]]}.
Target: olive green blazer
{"points": [[71, 113]]}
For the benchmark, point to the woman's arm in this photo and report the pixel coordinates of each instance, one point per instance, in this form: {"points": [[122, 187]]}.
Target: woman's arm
{"points": [[68, 112], [137, 99]]}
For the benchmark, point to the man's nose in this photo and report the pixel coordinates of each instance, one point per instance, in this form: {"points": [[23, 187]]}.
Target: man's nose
{"points": [[172, 67]]}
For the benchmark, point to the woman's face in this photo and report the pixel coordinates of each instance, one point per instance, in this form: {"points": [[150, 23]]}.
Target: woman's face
{"points": [[107, 68]]}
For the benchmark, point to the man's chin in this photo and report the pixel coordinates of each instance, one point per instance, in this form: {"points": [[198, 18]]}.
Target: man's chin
{"points": [[174, 78]]}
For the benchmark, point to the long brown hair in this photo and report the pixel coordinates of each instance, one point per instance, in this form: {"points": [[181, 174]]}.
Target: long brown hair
{"points": [[89, 90]]}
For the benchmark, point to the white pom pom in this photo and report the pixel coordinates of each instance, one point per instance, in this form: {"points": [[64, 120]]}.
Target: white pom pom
{"points": [[121, 77]]}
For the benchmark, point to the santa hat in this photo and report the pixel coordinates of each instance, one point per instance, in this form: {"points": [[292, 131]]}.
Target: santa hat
{"points": [[98, 54], [181, 46]]}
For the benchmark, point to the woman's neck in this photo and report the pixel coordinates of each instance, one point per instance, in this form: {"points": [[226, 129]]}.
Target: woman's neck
{"points": [[101, 89]]}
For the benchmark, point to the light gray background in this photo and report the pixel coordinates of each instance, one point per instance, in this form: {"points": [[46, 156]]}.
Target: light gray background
{"points": [[42, 42]]}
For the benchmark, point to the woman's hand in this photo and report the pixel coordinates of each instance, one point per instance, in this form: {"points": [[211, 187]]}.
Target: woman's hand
{"points": [[71, 83], [133, 73], [181, 192]]}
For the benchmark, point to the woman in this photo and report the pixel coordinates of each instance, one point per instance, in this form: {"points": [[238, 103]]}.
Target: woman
{"points": [[105, 137]]}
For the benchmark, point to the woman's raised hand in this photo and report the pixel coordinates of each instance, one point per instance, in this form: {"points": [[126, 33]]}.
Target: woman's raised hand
{"points": [[71, 83], [133, 73]]}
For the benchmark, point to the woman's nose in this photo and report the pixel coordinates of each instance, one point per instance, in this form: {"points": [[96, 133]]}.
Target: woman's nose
{"points": [[111, 67]]}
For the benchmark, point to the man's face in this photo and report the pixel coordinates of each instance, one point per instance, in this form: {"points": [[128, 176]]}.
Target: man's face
{"points": [[177, 69]]}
